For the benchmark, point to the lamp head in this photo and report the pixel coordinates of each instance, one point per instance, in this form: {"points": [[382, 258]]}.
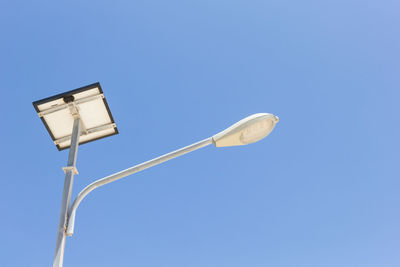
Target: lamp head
{"points": [[246, 131]]}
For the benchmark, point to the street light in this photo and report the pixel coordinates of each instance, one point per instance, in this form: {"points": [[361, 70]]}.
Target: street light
{"points": [[246, 131]]}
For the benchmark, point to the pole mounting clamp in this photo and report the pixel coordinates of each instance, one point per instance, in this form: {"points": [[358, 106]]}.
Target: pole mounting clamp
{"points": [[70, 168]]}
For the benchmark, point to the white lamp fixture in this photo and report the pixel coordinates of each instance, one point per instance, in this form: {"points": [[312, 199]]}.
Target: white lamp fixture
{"points": [[246, 131], [57, 114]]}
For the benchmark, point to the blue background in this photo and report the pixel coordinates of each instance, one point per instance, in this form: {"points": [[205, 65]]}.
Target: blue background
{"points": [[321, 190]]}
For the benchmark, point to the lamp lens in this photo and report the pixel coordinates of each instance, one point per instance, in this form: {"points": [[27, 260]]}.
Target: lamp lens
{"points": [[256, 131]]}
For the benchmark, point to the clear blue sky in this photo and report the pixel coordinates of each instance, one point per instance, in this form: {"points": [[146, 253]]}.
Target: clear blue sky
{"points": [[322, 190]]}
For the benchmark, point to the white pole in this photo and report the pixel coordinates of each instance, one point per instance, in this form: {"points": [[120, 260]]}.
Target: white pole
{"points": [[70, 170]]}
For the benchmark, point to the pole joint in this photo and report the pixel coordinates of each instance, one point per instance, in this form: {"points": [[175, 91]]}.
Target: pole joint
{"points": [[70, 168]]}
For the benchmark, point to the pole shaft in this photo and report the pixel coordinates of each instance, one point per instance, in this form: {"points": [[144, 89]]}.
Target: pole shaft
{"points": [[66, 197]]}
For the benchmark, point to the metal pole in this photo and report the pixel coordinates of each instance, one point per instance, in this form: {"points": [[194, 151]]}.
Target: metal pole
{"points": [[70, 170]]}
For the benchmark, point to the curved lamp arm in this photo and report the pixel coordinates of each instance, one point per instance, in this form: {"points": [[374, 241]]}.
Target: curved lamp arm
{"points": [[124, 173], [246, 131]]}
